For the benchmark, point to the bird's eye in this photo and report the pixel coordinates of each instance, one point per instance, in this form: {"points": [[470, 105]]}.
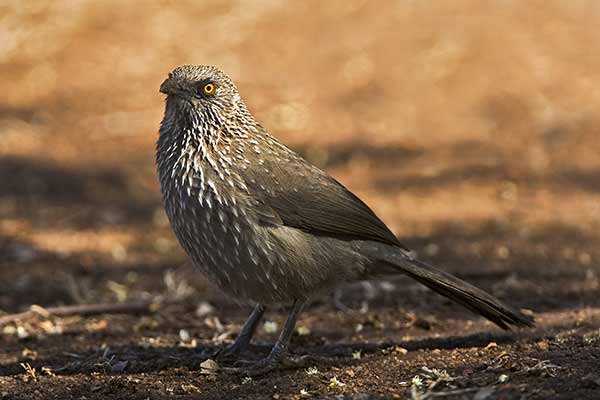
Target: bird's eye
{"points": [[209, 88]]}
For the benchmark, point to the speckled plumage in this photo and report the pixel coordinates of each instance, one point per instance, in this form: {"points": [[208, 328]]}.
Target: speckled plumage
{"points": [[225, 182], [262, 223]]}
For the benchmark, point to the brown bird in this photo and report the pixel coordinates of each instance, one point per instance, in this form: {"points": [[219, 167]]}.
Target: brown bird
{"points": [[264, 224]]}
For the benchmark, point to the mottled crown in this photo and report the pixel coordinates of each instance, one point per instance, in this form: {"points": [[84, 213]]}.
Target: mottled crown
{"points": [[200, 96], [199, 73]]}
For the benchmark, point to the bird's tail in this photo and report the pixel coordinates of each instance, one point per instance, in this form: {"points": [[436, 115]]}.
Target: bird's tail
{"points": [[458, 290]]}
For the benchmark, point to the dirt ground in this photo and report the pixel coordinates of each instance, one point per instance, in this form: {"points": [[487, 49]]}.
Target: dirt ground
{"points": [[470, 127]]}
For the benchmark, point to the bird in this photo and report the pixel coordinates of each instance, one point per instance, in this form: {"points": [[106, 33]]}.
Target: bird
{"points": [[266, 226]]}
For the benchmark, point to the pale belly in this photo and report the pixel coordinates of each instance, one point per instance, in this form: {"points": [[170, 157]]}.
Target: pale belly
{"points": [[247, 261]]}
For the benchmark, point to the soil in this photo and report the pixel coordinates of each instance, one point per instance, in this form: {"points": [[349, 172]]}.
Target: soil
{"points": [[473, 136]]}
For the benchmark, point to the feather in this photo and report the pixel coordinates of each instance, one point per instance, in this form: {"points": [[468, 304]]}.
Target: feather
{"points": [[302, 196]]}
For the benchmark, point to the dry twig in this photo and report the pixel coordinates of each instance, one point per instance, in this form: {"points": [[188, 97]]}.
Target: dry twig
{"points": [[80, 309]]}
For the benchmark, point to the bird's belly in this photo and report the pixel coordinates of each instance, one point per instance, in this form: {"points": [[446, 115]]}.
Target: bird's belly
{"points": [[253, 262], [232, 251]]}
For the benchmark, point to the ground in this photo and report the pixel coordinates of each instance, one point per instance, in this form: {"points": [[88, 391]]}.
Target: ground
{"points": [[471, 130]]}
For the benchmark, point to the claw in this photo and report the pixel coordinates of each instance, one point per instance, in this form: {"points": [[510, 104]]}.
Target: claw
{"points": [[257, 368], [269, 364], [277, 354], [244, 363]]}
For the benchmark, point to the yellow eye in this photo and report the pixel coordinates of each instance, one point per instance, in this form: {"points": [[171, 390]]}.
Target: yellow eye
{"points": [[209, 88]]}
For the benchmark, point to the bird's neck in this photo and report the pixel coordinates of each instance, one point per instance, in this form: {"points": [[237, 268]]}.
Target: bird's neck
{"points": [[185, 146]]}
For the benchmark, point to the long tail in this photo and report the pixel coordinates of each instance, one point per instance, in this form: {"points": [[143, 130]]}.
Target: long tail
{"points": [[458, 290]]}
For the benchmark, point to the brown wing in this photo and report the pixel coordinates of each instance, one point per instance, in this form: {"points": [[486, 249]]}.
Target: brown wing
{"points": [[297, 194]]}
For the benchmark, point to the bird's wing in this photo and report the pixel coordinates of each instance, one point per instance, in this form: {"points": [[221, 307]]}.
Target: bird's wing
{"points": [[292, 192]]}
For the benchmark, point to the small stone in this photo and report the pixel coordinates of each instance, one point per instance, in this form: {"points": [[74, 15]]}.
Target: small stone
{"points": [[303, 330], [184, 335], [209, 367], [270, 327], [22, 332]]}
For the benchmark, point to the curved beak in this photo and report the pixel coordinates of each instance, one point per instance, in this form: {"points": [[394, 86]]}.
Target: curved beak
{"points": [[170, 86]]}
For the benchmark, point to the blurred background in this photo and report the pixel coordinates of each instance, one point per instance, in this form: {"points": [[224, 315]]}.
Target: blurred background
{"points": [[470, 127], [457, 122]]}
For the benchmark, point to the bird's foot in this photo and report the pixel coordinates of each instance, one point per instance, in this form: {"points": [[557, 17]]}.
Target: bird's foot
{"points": [[254, 368], [269, 364]]}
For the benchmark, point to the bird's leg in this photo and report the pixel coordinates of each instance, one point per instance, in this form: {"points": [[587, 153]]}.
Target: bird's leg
{"points": [[243, 339], [279, 349]]}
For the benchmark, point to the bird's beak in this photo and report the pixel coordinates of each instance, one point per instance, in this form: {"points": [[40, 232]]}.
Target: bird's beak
{"points": [[170, 86]]}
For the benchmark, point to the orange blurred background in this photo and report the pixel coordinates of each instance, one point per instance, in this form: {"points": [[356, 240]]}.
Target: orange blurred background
{"points": [[449, 113]]}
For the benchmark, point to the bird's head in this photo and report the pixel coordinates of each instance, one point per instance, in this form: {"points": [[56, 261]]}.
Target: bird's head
{"points": [[198, 95]]}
